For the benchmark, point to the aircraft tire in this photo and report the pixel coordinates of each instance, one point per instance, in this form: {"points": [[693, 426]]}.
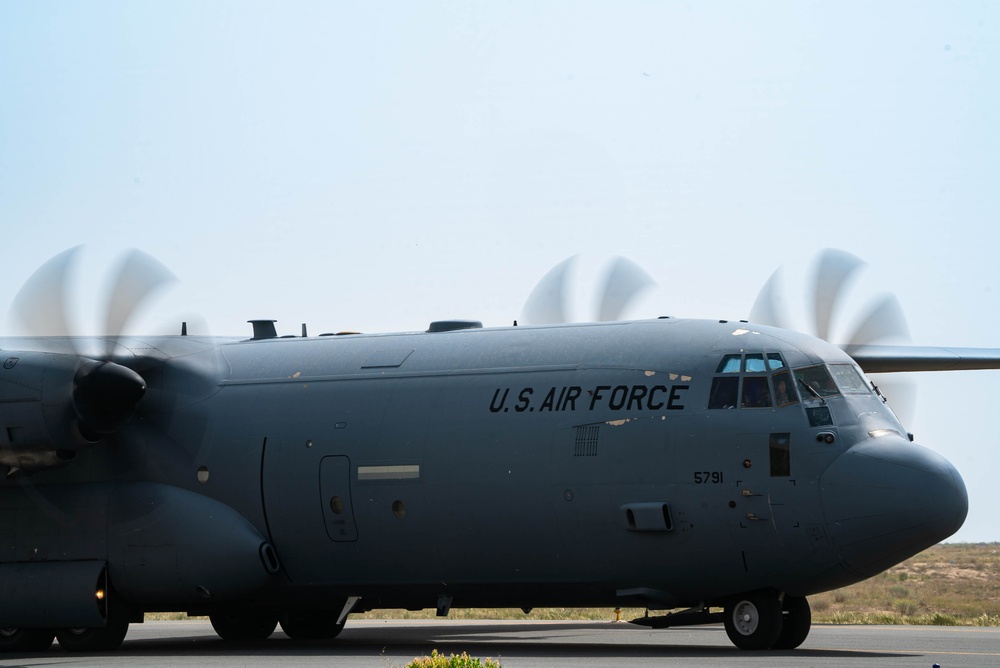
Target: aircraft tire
{"points": [[796, 624], [103, 639], [26, 640], [249, 626], [754, 622], [311, 625], [93, 640]]}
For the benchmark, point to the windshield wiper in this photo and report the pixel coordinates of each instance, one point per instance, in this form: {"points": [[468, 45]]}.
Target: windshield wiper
{"points": [[811, 389]]}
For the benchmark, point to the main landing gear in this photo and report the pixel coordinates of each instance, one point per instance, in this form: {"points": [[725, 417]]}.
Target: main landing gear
{"points": [[25, 640], [103, 639], [297, 625], [758, 620], [762, 621]]}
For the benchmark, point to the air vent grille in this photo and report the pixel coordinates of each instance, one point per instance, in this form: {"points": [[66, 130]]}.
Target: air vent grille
{"points": [[585, 440]]}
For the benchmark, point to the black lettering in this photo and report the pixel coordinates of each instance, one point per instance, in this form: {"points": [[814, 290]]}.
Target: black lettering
{"points": [[497, 407], [614, 403], [638, 392], [596, 394], [547, 402], [571, 396], [523, 400], [649, 402], [674, 396], [562, 395]]}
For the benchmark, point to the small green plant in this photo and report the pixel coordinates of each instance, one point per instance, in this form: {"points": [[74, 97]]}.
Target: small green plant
{"points": [[436, 660], [944, 620], [899, 592]]}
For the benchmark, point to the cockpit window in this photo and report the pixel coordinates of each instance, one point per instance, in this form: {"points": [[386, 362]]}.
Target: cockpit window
{"points": [[784, 389], [815, 382], [744, 382], [725, 389], [754, 363], [848, 379], [755, 392], [729, 364]]}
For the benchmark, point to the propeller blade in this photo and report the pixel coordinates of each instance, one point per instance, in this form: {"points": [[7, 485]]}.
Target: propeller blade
{"points": [[768, 308], [832, 273], [547, 302], [625, 280], [884, 321], [139, 276], [40, 304]]}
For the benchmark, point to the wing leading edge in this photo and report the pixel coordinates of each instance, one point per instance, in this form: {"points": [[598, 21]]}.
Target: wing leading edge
{"points": [[889, 359]]}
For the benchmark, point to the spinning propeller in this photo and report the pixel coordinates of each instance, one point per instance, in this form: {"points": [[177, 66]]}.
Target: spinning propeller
{"points": [[85, 387], [882, 322], [834, 270], [623, 280]]}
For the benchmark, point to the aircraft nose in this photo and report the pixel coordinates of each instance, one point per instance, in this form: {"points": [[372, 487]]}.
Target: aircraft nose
{"points": [[885, 499]]}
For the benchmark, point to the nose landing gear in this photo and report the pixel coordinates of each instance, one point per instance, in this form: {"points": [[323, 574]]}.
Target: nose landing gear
{"points": [[764, 621]]}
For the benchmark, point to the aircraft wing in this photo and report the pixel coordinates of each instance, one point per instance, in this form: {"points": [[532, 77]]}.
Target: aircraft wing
{"points": [[888, 359]]}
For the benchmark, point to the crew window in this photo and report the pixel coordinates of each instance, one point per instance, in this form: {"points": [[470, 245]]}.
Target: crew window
{"points": [[784, 389], [815, 382], [775, 362], [729, 364], [725, 389], [848, 379], [754, 363], [755, 392]]}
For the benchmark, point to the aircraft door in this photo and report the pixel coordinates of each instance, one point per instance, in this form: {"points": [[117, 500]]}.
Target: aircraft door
{"points": [[308, 505], [335, 498]]}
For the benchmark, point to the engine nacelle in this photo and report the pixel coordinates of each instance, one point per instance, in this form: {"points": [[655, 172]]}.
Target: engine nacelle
{"points": [[52, 404]]}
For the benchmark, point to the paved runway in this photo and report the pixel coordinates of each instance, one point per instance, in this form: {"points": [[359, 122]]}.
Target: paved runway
{"points": [[519, 644]]}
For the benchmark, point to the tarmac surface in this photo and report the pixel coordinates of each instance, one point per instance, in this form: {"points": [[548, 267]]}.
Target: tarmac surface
{"points": [[391, 644]]}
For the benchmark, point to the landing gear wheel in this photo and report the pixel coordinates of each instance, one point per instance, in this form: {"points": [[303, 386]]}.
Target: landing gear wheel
{"points": [[25, 640], [99, 639], [311, 625], [796, 624], [249, 626], [94, 640], [754, 621]]}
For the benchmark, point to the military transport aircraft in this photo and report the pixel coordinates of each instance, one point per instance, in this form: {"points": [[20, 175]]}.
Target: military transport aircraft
{"points": [[725, 469]]}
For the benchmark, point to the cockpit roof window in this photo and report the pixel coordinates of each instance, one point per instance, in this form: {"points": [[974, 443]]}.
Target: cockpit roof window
{"points": [[775, 362], [815, 382], [729, 364], [754, 363], [849, 380]]}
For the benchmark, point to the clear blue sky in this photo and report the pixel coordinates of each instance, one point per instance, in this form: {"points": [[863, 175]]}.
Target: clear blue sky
{"points": [[376, 166]]}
